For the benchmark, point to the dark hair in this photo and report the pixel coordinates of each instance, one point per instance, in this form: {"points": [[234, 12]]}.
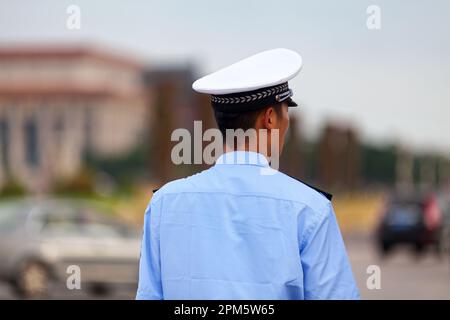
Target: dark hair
{"points": [[241, 120]]}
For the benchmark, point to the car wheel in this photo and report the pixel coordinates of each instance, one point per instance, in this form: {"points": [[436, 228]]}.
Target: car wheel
{"points": [[33, 280], [419, 249], [384, 248], [100, 289]]}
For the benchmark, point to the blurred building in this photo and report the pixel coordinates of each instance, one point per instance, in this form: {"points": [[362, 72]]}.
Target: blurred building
{"points": [[57, 104], [339, 157], [293, 159], [175, 105]]}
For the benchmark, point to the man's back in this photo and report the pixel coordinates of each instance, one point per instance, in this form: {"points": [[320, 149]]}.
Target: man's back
{"points": [[236, 232]]}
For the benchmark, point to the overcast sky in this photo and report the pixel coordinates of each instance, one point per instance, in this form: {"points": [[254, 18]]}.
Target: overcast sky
{"points": [[392, 84]]}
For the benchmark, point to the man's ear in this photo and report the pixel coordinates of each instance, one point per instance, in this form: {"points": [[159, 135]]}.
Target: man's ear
{"points": [[269, 118]]}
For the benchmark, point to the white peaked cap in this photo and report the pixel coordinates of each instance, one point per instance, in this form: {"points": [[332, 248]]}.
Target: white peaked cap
{"points": [[264, 69], [253, 81]]}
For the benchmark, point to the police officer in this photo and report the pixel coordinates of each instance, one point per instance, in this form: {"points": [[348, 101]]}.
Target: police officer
{"points": [[234, 231]]}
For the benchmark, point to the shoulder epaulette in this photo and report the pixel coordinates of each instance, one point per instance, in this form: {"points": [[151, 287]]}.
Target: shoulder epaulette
{"points": [[327, 195]]}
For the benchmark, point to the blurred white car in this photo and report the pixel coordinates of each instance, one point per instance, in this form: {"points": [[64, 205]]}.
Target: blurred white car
{"points": [[39, 240]]}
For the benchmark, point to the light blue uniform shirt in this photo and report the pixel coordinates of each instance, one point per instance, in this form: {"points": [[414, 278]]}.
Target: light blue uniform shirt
{"points": [[235, 232]]}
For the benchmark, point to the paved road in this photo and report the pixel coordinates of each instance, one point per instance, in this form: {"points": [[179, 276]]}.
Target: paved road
{"points": [[403, 276], [60, 292]]}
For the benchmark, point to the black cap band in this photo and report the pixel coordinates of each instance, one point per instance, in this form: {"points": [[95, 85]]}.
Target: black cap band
{"points": [[253, 100]]}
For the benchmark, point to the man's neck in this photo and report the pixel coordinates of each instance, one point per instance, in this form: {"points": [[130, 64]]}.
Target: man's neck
{"points": [[226, 149]]}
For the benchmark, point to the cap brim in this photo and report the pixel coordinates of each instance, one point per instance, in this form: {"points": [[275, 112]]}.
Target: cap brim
{"points": [[291, 103]]}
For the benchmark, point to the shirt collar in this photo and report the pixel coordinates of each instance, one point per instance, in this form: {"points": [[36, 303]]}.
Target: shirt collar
{"points": [[243, 157]]}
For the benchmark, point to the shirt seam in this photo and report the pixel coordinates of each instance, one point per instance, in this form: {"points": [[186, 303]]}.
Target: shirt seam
{"points": [[322, 216], [246, 195]]}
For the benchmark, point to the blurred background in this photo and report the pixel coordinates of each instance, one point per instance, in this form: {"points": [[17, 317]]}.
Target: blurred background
{"points": [[90, 93]]}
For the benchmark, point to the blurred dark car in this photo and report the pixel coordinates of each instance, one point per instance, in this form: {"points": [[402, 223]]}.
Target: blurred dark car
{"points": [[414, 220], [40, 240]]}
